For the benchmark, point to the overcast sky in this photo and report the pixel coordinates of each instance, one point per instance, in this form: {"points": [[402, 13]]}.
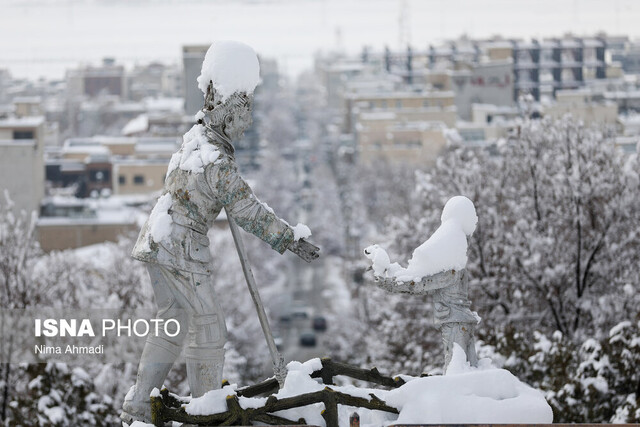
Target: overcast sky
{"points": [[43, 38]]}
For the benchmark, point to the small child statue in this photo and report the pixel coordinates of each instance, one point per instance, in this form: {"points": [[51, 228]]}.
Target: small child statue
{"points": [[438, 267]]}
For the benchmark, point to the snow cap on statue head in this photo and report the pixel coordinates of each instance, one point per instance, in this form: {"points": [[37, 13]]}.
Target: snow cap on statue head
{"points": [[229, 67], [461, 209]]}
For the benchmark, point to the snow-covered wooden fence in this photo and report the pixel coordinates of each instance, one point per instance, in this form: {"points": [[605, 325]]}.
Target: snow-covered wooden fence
{"points": [[169, 407]]}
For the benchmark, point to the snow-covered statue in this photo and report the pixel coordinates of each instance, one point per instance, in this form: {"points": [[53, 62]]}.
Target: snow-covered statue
{"points": [[437, 267], [201, 180]]}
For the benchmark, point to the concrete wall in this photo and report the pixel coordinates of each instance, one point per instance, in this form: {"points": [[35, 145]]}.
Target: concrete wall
{"points": [[73, 235], [22, 167], [415, 144], [588, 113], [152, 174], [407, 106], [192, 58], [488, 83]]}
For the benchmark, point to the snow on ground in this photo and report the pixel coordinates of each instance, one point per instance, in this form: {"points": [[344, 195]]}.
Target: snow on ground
{"points": [[232, 67], [465, 394], [446, 248]]}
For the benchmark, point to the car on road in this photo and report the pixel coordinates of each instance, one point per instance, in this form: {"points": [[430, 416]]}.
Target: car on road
{"points": [[319, 324], [300, 312], [307, 339]]}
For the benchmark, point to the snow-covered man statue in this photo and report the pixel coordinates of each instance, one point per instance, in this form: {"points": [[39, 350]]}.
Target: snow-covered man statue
{"points": [[437, 267], [201, 180]]}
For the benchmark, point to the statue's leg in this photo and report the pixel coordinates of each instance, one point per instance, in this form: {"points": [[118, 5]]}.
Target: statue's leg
{"points": [[461, 334], [207, 335], [470, 340], [160, 352]]}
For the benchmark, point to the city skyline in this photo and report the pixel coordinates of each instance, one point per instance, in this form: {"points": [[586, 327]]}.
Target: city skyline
{"points": [[45, 38]]}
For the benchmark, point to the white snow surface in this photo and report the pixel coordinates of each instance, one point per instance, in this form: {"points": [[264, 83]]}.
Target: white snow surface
{"points": [[160, 221], [301, 231], [446, 248], [136, 125], [461, 210], [232, 67], [465, 394], [381, 263], [470, 395], [195, 153], [137, 424], [212, 402]]}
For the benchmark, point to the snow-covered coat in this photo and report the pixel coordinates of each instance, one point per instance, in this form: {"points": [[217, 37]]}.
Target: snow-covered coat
{"points": [[196, 201]]}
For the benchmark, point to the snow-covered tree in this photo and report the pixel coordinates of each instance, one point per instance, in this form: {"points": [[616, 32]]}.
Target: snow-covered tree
{"points": [[558, 225], [555, 249], [59, 394]]}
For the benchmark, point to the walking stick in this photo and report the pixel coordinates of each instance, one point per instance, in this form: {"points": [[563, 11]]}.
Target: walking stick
{"points": [[279, 368]]}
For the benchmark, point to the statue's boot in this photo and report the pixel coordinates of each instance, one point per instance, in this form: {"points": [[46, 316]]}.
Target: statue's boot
{"points": [[204, 369], [155, 364]]}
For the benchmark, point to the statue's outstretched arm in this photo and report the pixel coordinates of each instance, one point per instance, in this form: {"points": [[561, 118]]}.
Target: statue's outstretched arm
{"points": [[305, 250], [426, 285], [254, 216]]}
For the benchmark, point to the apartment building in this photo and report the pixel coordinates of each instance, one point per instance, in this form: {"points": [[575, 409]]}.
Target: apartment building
{"points": [[22, 162]]}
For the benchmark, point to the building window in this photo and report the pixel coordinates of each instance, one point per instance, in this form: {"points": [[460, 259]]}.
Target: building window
{"points": [[138, 179], [399, 103], [99, 175], [122, 180], [22, 134]]}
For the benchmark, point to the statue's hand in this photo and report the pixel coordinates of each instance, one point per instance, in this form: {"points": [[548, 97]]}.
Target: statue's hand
{"points": [[305, 250]]}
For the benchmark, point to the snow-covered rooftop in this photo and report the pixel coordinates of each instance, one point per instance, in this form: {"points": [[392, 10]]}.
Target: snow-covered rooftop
{"points": [[88, 149], [136, 125], [174, 105], [22, 122]]}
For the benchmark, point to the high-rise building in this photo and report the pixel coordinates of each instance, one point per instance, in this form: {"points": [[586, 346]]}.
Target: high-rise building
{"points": [[21, 161], [192, 58]]}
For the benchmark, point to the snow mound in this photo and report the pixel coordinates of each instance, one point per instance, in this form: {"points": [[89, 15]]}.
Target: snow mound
{"points": [[464, 395], [195, 153], [381, 263], [232, 67], [468, 395], [212, 402], [446, 249], [138, 424], [461, 210], [301, 231]]}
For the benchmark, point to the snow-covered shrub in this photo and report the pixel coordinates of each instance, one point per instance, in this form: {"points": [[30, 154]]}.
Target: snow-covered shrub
{"points": [[592, 381], [56, 394]]}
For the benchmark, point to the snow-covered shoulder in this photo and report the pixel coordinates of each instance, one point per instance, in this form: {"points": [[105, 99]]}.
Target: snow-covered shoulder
{"points": [[195, 153], [232, 67]]}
